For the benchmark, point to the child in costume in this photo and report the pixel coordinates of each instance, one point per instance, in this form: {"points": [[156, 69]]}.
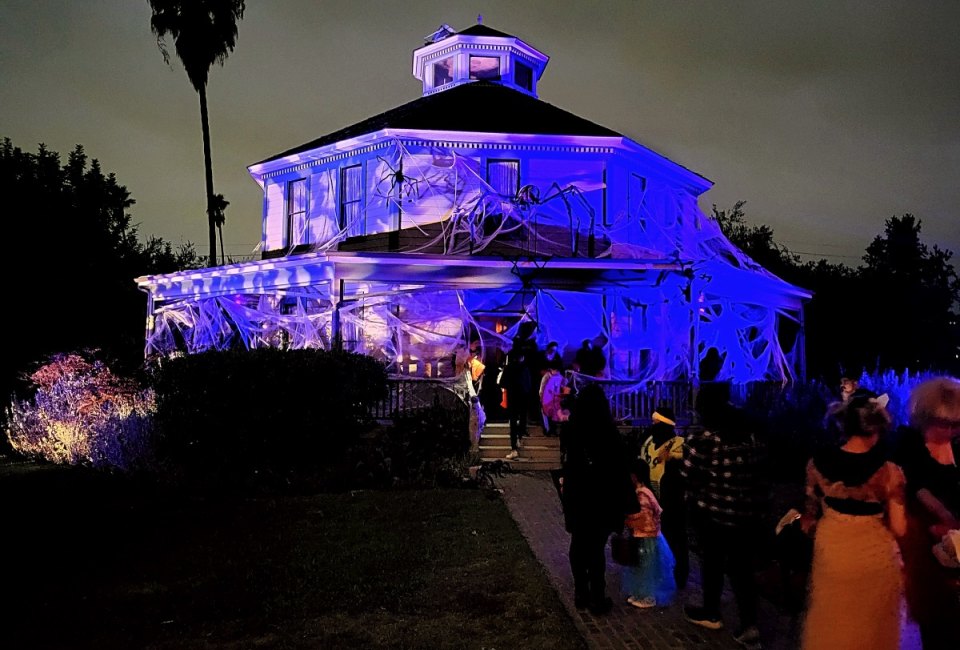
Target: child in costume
{"points": [[650, 583], [663, 451]]}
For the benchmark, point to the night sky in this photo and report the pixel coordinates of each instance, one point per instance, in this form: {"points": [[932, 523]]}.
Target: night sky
{"points": [[826, 117]]}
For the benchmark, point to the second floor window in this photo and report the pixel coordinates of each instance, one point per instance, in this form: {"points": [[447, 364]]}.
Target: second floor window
{"points": [[298, 231], [351, 201], [635, 194], [504, 177]]}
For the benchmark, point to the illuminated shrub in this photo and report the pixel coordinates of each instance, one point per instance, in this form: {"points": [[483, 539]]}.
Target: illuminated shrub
{"points": [[794, 418], [81, 413], [897, 386]]}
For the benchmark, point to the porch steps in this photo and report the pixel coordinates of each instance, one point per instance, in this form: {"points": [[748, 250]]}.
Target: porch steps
{"points": [[537, 452]]}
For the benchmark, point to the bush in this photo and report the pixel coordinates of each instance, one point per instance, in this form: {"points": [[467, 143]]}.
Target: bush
{"points": [[263, 418], [791, 419], [425, 448], [794, 418], [898, 387], [81, 413]]}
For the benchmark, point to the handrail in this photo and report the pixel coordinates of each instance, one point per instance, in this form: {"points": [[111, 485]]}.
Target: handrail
{"points": [[631, 402], [410, 394], [634, 403]]}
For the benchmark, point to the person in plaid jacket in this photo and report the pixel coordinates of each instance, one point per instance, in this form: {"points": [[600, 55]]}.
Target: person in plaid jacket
{"points": [[723, 471]]}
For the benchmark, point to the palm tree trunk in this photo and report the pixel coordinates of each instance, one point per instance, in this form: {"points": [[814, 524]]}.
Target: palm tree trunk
{"points": [[223, 255], [208, 168]]}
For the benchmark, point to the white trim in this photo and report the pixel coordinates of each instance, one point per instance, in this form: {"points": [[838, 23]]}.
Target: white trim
{"points": [[479, 140]]}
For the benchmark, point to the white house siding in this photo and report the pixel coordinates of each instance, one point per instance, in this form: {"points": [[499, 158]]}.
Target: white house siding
{"points": [[436, 180], [323, 205], [562, 172], [379, 205]]}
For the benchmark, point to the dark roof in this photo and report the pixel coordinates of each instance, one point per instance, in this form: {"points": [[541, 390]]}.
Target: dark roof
{"points": [[483, 30], [478, 106]]}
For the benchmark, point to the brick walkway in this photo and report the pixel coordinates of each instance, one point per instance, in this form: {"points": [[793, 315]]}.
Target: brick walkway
{"points": [[534, 505]]}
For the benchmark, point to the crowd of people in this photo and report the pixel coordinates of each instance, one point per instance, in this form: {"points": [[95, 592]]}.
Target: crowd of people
{"points": [[535, 385], [882, 508]]}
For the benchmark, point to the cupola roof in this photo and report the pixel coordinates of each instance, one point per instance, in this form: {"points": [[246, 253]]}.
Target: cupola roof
{"points": [[479, 53]]}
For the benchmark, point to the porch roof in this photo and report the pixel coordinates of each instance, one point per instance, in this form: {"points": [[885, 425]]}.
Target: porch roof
{"points": [[488, 272], [317, 270]]}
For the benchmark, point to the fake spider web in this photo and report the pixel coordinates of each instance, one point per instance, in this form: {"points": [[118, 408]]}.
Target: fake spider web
{"points": [[654, 330]]}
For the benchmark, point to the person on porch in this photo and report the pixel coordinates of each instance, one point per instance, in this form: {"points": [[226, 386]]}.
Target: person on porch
{"points": [[551, 396], [515, 380]]}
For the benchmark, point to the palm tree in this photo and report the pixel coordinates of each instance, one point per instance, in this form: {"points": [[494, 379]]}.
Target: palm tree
{"points": [[204, 32], [219, 218]]}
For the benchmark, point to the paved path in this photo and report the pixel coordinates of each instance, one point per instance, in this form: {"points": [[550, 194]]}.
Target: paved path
{"points": [[534, 505]]}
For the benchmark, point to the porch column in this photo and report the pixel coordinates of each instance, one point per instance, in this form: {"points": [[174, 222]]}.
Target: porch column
{"points": [[336, 333], [694, 301], [150, 324]]}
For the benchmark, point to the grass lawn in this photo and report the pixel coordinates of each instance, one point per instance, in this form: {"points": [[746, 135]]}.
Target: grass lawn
{"points": [[91, 561]]}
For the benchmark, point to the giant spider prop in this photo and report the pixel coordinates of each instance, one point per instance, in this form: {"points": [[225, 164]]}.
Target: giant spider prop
{"points": [[399, 185]]}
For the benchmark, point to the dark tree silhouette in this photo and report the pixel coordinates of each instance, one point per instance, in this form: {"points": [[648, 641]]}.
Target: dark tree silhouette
{"points": [[834, 319], [917, 291], [755, 241], [204, 32], [895, 312], [72, 260]]}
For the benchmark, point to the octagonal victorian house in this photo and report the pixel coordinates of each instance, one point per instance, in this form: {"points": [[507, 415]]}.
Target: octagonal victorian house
{"points": [[472, 210]]}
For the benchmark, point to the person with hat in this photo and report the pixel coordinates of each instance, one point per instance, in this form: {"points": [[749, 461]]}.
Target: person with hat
{"points": [[662, 451]]}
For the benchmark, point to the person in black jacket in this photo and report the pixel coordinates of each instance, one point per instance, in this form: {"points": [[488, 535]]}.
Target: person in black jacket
{"points": [[516, 380], [597, 494]]}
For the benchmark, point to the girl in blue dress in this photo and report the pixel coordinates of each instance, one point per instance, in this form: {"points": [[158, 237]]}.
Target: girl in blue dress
{"points": [[650, 582]]}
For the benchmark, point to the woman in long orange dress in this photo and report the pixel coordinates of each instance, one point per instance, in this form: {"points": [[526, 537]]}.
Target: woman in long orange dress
{"points": [[855, 502]]}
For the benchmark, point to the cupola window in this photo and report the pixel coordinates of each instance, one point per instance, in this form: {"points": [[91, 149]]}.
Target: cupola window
{"points": [[443, 72], [523, 76], [450, 59], [485, 67]]}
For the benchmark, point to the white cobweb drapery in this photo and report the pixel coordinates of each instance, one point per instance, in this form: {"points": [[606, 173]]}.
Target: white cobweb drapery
{"points": [[722, 300]]}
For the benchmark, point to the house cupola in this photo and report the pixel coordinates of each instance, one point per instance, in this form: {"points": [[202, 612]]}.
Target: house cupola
{"points": [[450, 58]]}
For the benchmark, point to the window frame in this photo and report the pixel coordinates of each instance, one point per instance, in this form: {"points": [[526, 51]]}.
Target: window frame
{"points": [[470, 74], [516, 161], [630, 198], [517, 65], [291, 213], [344, 202], [453, 71]]}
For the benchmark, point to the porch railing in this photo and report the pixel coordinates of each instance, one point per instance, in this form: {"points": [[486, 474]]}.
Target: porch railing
{"points": [[630, 402], [410, 395], [633, 403]]}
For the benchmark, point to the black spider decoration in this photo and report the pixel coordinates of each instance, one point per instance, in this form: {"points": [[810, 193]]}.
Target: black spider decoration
{"points": [[399, 185]]}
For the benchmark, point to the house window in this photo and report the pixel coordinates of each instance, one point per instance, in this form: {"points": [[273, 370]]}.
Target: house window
{"points": [[351, 196], [504, 176], [635, 190], [297, 230], [443, 72], [523, 75], [485, 67]]}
